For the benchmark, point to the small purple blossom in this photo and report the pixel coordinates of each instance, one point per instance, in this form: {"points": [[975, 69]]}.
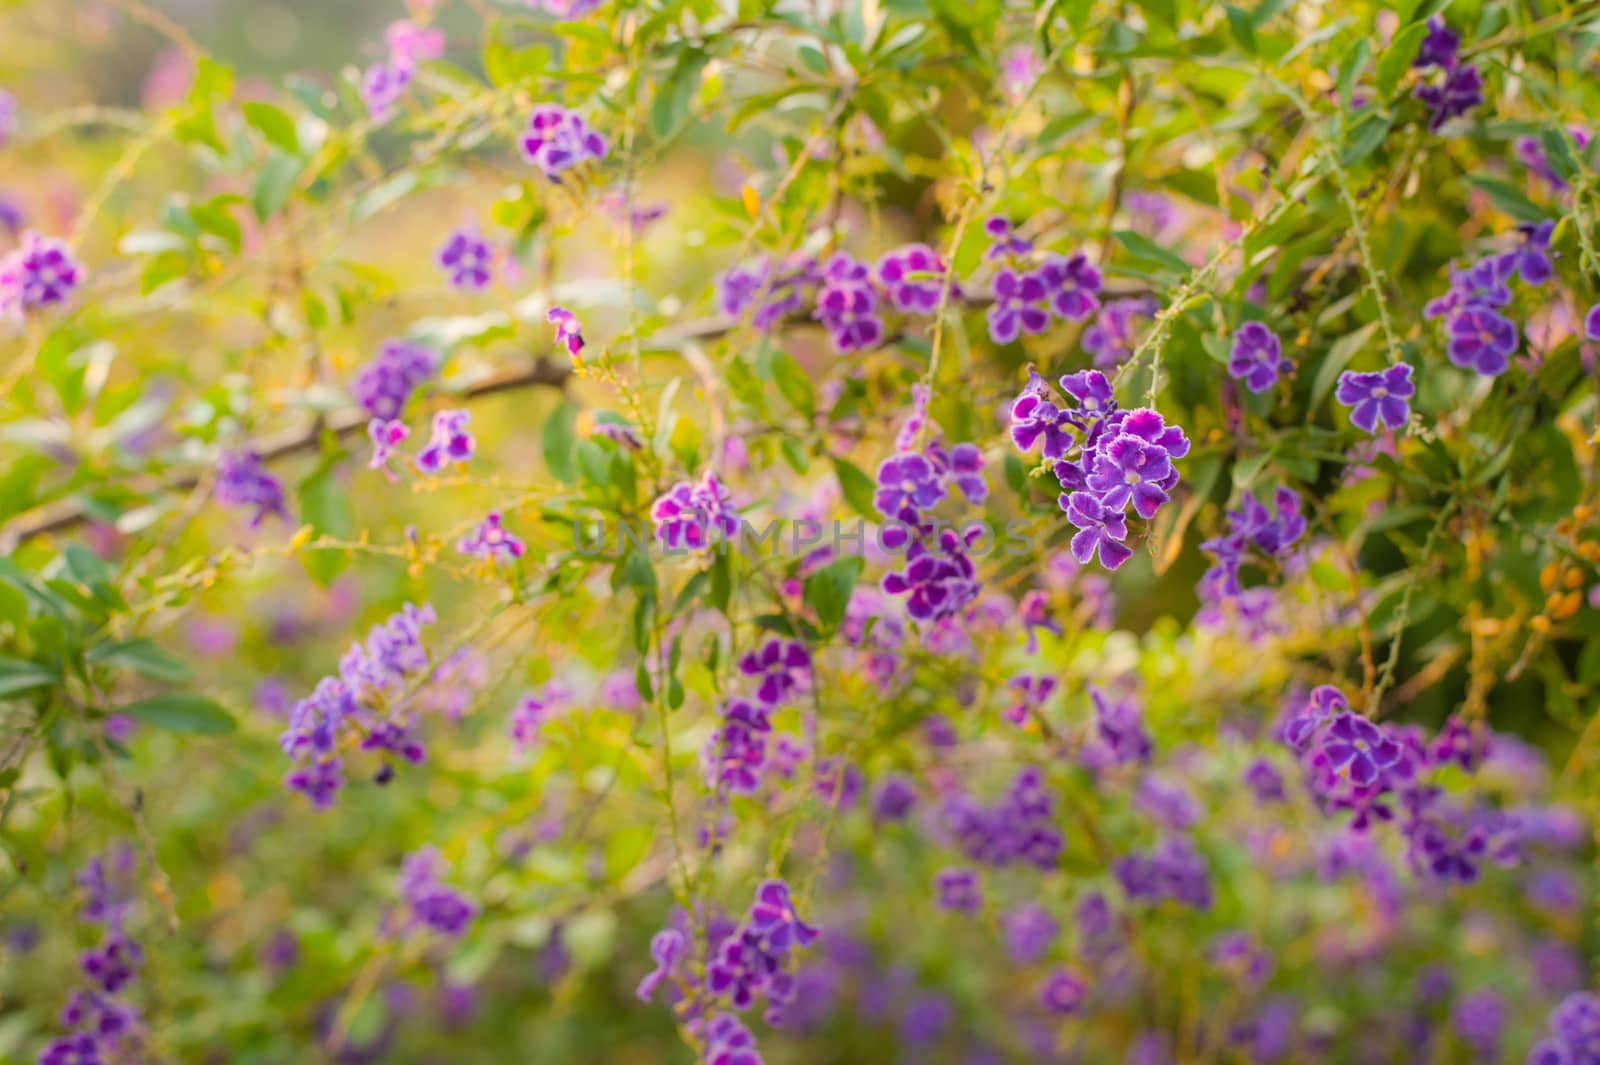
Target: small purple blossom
{"points": [[958, 891], [1381, 396], [690, 517], [449, 443], [1257, 357], [466, 258], [383, 385], [243, 481], [780, 664], [40, 273], [915, 277], [1019, 306], [569, 333], [386, 436], [558, 139], [492, 542], [1481, 340]]}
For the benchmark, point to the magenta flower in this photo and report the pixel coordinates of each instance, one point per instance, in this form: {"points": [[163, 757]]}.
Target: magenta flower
{"points": [[409, 42], [40, 273], [383, 84], [1381, 396], [490, 541], [1004, 240], [847, 306], [386, 437], [1481, 340], [569, 333], [466, 257], [1018, 306], [1035, 418], [449, 443], [1257, 357], [558, 139]]}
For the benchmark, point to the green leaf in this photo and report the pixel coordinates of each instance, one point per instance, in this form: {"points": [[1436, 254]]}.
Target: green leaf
{"points": [[273, 124], [1398, 56], [325, 506], [274, 182], [558, 439], [1243, 28], [1366, 134], [1508, 198], [813, 58], [142, 657], [720, 589], [20, 675], [193, 714], [1142, 247], [793, 383], [827, 591], [671, 104], [857, 488], [1350, 67]]}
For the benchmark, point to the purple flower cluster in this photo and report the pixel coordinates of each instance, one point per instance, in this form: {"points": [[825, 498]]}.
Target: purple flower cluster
{"points": [[101, 1025], [534, 711], [558, 139], [430, 903], [691, 517], [1258, 536], [1257, 357], [1480, 337], [466, 258], [776, 290], [915, 277], [1173, 870], [753, 961], [1018, 828], [847, 305], [938, 578], [40, 273], [369, 675], [384, 384], [1574, 1033], [1530, 152], [1105, 458], [243, 481], [386, 81], [1460, 87], [1026, 301], [735, 755]]}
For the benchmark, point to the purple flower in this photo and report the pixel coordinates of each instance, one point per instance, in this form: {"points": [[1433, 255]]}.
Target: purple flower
{"points": [[1102, 529], [1264, 781], [1257, 357], [1381, 396], [466, 257], [668, 947], [1480, 1020], [915, 277], [774, 290], [1481, 340], [907, 482], [9, 117], [1072, 284], [1110, 338], [113, 964], [1028, 931], [847, 306], [569, 333], [1130, 469], [242, 481], [777, 663], [1018, 306], [450, 441], [387, 436], [772, 916], [1062, 992], [735, 755], [558, 139], [729, 1042], [939, 579], [533, 712], [958, 891], [688, 516], [1357, 750], [383, 385], [319, 781], [1459, 91], [40, 273], [1035, 418], [1439, 47], [433, 905], [1004, 242], [894, 800], [384, 83], [1591, 323], [490, 541]]}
